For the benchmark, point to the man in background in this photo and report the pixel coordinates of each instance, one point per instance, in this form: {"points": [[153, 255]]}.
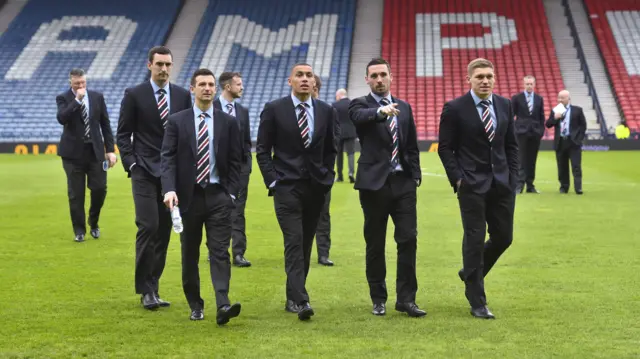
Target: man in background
{"points": [[323, 232], [347, 135], [528, 108], [570, 128], [86, 137], [232, 89]]}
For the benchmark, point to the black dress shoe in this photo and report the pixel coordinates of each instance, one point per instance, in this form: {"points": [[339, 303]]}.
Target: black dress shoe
{"points": [[351, 179], [305, 312], [563, 190], [482, 313], [579, 191], [227, 312], [197, 314], [161, 302], [519, 189], [241, 261], [340, 179], [379, 309], [79, 238], [95, 232], [532, 190], [291, 307], [325, 261], [149, 301], [411, 309]]}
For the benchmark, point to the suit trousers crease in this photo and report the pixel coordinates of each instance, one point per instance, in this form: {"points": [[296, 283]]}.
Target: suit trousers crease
{"points": [[154, 230], [298, 205], [86, 171], [238, 220], [397, 199], [493, 210], [323, 232], [565, 152], [211, 207], [529, 145]]}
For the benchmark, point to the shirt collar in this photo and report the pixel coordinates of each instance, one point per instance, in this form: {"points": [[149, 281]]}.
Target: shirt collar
{"points": [[296, 101], [224, 102], [527, 94], [156, 87], [477, 99], [379, 98], [197, 111]]}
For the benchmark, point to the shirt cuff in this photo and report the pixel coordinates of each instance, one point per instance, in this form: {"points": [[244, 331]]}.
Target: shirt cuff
{"points": [[131, 167], [273, 184]]}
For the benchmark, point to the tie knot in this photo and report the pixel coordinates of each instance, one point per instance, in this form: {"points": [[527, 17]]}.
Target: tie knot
{"points": [[203, 116], [161, 92], [303, 106], [229, 106], [485, 103], [384, 102]]}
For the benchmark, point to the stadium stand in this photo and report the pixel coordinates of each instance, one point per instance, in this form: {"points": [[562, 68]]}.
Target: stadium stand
{"points": [[263, 39], [616, 25], [429, 44], [108, 38]]}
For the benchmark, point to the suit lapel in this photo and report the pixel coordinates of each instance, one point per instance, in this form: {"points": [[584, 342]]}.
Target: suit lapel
{"points": [[191, 132], [294, 115], [218, 127], [318, 122], [153, 104], [174, 100], [374, 104]]}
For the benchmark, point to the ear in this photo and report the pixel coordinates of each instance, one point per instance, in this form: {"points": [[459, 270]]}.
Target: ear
{"points": [[149, 65]]}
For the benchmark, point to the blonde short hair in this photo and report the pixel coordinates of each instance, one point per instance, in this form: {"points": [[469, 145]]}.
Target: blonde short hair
{"points": [[478, 63]]}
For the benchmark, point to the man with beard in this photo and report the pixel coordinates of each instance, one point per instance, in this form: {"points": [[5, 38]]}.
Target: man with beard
{"points": [[232, 88], [387, 179]]}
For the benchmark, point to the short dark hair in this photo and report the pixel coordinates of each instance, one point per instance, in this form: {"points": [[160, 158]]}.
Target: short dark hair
{"points": [[226, 77], [300, 64], [202, 72], [318, 81], [76, 72], [377, 61], [160, 50]]}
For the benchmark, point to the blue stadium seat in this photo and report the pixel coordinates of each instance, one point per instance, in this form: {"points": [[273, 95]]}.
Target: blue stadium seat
{"points": [[33, 72], [260, 42]]}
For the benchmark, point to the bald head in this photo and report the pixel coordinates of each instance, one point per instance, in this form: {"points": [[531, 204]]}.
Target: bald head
{"points": [[340, 94], [564, 97]]}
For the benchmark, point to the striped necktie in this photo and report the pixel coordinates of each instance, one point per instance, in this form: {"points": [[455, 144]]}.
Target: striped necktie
{"points": [[393, 128], [487, 120], [163, 107], [85, 119], [303, 124], [230, 109], [530, 103], [203, 153]]}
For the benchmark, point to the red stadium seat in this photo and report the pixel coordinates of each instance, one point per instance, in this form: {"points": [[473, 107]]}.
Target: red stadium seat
{"points": [[530, 52], [617, 19]]}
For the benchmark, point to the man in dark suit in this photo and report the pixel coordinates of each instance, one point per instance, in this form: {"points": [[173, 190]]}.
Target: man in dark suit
{"points": [[201, 160], [323, 231], [570, 128], [347, 135], [479, 151], [301, 133], [387, 178], [144, 112], [528, 108], [232, 88], [86, 142]]}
